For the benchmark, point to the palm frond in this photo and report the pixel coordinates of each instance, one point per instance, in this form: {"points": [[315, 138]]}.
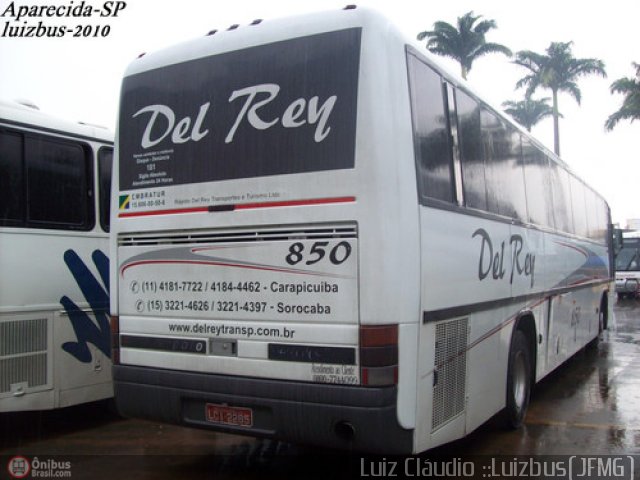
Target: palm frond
{"points": [[625, 85], [464, 42], [572, 89], [630, 109], [622, 114], [492, 48], [557, 70], [528, 112]]}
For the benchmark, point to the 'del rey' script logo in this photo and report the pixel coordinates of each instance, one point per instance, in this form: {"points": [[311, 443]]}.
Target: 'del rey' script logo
{"points": [[301, 111], [491, 261]]}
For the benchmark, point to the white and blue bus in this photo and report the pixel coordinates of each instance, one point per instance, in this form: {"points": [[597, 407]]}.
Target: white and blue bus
{"points": [[322, 237], [55, 180], [628, 266]]}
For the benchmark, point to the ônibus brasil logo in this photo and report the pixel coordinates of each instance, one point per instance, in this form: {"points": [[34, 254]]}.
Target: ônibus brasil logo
{"points": [[19, 467]]}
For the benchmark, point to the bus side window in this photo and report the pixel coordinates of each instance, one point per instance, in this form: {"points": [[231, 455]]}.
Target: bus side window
{"points": [[579, 207], [11, 179], [539, 186], [562, 209], [434, 161], [503, 169], [471, 155], [58, 184], [603, 220], [595, 217], [105, 162]]}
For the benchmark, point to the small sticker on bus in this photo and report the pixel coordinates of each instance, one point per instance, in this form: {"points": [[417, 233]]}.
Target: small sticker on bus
{"points": [[338, 374]]}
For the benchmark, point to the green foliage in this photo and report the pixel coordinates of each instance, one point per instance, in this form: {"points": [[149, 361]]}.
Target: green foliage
{"points": [[557, 71], [464, 43], [630, 109], [528, 112]]}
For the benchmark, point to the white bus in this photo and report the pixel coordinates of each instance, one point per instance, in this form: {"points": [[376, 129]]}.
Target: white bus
{"points": [[628, 266], [322, 237], [54, 218]]}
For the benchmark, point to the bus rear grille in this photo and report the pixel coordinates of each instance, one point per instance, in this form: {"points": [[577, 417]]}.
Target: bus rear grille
{"points": [[31, 369], [295, 232], [449, 393], [23, 353], [23, 336]]}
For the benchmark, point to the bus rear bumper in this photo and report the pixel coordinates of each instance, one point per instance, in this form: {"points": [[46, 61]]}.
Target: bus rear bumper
{"points": [[629, 286], [335, 416]]}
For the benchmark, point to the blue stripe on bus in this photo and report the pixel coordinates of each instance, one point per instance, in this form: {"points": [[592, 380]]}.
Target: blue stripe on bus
{"points": [[98, 298]]}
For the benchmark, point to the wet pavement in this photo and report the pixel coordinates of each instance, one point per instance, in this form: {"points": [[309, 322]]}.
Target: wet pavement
{"points": [[589, 406]]}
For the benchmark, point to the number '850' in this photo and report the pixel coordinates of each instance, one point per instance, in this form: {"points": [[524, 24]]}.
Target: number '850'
{"points": [[337, 254]]}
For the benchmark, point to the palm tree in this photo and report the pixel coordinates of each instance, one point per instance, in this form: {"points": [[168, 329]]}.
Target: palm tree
{"points": [[630, 109], [558, 71], [528, 112], [466, 43]]}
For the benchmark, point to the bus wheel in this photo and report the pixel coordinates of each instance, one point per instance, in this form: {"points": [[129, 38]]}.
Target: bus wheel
{"points": [[518, 380], [603, 314]]}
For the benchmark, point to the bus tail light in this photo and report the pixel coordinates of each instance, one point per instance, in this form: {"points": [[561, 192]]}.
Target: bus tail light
{"points": [[379, 355], [115, 340]]}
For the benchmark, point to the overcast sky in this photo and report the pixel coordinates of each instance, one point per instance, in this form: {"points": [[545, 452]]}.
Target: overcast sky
{"points": [[79, 79]]}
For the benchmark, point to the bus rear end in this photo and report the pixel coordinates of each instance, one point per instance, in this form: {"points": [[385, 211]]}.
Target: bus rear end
{"points": [[244, 214]]}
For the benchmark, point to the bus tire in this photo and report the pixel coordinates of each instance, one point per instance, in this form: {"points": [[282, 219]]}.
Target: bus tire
{"points": [[603, 317], [603, 322], [519, 380]]}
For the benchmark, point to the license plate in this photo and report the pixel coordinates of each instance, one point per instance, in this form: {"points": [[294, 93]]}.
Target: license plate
{"points": [[225, 415]]}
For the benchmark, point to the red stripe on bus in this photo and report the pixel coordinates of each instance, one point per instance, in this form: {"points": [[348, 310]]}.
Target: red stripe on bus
{"points": [[295, 203], [242, 206], [164, 212]]}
